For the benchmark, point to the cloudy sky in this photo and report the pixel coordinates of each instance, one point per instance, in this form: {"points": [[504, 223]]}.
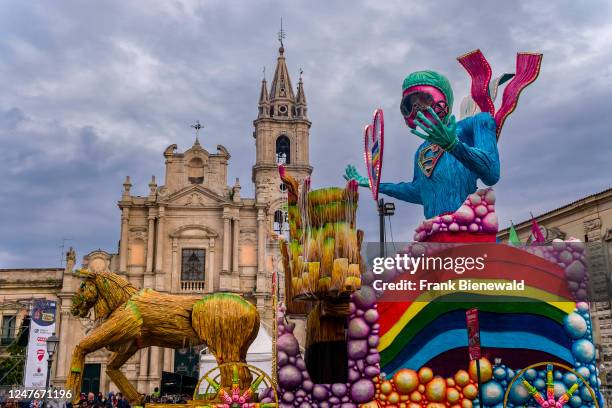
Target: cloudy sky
{"points": [[94, 91]]}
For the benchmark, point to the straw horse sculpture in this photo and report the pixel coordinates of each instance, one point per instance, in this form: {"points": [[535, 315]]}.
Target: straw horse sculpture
{"points": [[131, 320]]}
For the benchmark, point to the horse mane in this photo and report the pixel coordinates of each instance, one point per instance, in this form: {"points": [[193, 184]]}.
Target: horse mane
{"points": [[113, 291]]}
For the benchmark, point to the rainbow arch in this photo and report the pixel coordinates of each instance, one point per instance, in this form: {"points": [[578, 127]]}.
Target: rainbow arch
{"points": [[416, 333]]}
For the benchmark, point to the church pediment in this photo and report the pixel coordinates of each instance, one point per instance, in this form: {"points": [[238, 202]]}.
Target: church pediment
{"points": [[195, 196]]}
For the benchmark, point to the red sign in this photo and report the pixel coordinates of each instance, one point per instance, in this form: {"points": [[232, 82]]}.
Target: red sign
{"points": [[40, 354], [473, 330]]}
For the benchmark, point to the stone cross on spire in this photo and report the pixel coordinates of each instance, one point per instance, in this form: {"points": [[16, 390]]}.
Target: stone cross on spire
{"points": [[197, 126]]}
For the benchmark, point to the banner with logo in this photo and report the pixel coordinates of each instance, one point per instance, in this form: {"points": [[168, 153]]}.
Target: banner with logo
{"points": [[42, 326]]}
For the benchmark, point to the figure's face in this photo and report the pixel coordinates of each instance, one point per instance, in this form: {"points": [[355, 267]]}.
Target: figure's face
{"points": [[84, 299], [418, 99]]}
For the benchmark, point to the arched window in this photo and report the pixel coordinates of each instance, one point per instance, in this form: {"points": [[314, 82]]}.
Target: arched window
{"points": [[283, 150], [281, 223]]}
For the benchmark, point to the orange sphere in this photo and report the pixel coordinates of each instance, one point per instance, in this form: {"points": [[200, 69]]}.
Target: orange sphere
{"points": [[413, 405], [406, 380], [452, 395], [486, 370], [436, 405], [470, 391], [436, 390], [462, 378], [421, 388], [416, 396], [466, 403], [386, 387], [425, 375], [393, 398], [450, 382]]}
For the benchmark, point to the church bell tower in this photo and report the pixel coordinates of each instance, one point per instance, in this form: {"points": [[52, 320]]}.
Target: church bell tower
{"points": [[281, 137]]}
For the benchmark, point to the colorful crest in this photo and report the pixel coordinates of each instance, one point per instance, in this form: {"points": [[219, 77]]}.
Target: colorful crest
{"points": [[374, 137]]}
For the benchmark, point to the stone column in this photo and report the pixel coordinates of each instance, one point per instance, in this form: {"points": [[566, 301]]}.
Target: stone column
{"points": [[123, 250], [63, 356], [168, 363], [175, 278], [236, 256], [260, 283], [226, 244], [210, 273], [159, 277], [154, 367], [261, 241], [148, 278], [143, 371]]}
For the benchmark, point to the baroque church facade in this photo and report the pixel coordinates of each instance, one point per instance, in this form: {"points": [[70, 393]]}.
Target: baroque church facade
{"points": [[193, 234]]}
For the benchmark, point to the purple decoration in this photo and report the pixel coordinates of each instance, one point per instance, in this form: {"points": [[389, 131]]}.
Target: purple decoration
{"points": [[364, 298], [319, 392], [357, 349], [358, 328], [289, 377], [289, 344], [339, 390], [362, 391]]}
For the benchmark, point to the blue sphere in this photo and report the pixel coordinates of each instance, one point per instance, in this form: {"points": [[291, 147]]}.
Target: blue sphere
{"points": [[492, 393], [585, 394], [575, 401], [575, 325], [499, 373], [540, 384], [583, 351], [584, 371], [518, 394], [569, 379], [531, 374]]}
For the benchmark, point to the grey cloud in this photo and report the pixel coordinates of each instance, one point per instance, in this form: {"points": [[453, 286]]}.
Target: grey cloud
{"points": [[93, 92]]}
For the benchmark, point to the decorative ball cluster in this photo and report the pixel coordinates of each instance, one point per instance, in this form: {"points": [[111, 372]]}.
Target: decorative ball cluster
{"points": [[296, 387], [415, 389], [569, 255], [477, 214], [519, 397]]}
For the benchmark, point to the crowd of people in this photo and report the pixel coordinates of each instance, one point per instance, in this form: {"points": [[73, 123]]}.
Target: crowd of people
{"points": [[99, 400]]}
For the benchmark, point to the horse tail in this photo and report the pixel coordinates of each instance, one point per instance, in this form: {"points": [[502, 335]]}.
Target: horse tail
{"points": [[228, 324]]}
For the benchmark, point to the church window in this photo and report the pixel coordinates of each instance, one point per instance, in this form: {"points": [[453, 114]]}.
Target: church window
{"points": [[281, 223], [195, 171], [282, 110], [8, 329], [282, 187], [283, 152], [193, 265]]}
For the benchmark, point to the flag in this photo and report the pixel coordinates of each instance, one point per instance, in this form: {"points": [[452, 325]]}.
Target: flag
{"points": [[535, 231], [513, 238]]}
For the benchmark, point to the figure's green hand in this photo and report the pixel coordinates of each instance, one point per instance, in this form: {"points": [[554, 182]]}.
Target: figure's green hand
{"points": [[437, 133], [350, 173]]}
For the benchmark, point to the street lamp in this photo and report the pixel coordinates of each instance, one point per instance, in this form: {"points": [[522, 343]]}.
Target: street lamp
{"points": [[52, 342]]}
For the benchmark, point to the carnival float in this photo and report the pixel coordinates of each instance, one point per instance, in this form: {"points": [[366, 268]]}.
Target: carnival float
{"points": [[537, 349], [363, 348]]}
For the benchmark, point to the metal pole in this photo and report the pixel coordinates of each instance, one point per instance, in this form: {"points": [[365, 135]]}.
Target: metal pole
{"points": [[49, 362], [480, 402], [381, 226]]}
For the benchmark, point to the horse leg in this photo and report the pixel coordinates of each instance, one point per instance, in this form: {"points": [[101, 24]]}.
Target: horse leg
{"points": [[114, 373], [121, 327]]}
